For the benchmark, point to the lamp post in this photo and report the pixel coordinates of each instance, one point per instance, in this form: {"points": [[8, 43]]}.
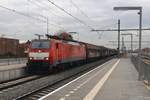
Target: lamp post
{"points": [[118, 37], [47, 22], [140, 31]]}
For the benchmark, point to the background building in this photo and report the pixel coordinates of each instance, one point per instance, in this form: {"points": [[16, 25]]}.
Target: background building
{"points": [[12, 48], [8, 47], [23, 49]]}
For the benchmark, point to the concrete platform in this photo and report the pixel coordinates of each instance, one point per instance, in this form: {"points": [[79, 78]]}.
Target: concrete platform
{"points": [[114, 80], [13, 66]]}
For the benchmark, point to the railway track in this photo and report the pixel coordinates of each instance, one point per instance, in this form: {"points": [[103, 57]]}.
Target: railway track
{"points": [[44, 91], [47, 89], [34, 89], [8, 84]]}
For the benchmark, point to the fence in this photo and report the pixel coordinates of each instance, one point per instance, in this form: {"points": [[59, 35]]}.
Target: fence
{"points": [[144, 69]]}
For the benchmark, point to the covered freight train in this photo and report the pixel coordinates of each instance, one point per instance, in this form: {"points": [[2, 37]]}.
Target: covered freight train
{"points": [[46, 54]]}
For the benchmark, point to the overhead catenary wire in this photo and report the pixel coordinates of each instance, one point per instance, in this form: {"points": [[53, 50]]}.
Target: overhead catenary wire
{"points": [[29, 16], [38, 3], [51, 8], [81, 11], [82, 22], [20, 13], [128, 29], [45, 16]]}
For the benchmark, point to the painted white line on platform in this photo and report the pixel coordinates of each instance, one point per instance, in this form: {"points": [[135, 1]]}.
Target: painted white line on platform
{"points": [[75, 89], [67, 95], [95, 90], [42, 98], [62, 99], [71, 92]]}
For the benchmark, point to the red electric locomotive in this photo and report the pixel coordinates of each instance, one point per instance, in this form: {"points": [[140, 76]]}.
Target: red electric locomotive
{"points": [[45, 54]]}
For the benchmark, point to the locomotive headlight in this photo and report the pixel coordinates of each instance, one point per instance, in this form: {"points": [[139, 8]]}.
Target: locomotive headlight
{"points": [[31, 58], [46, 58]]}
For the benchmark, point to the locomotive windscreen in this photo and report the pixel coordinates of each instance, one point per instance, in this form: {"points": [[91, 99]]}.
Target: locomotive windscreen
{"points": [[40, 44]]}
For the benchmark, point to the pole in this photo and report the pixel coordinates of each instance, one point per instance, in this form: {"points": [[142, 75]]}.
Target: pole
{"points": [[122, 45], [78, 37], [39, 37], [118, 37], [140, 38], [131, 43], [47, 25]]}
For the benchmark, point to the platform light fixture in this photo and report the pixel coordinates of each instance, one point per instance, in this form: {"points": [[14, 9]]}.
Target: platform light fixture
{"points": [[140, 30]]}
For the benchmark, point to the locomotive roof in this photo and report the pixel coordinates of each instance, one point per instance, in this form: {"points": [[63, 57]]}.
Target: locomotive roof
{"points": [[92, 46]]}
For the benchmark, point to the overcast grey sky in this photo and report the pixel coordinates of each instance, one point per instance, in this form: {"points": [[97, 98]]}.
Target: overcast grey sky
{"points": [[97, 13]]}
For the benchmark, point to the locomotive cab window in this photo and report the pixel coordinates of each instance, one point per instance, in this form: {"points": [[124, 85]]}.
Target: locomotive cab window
{"points": [[40, 44]]}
